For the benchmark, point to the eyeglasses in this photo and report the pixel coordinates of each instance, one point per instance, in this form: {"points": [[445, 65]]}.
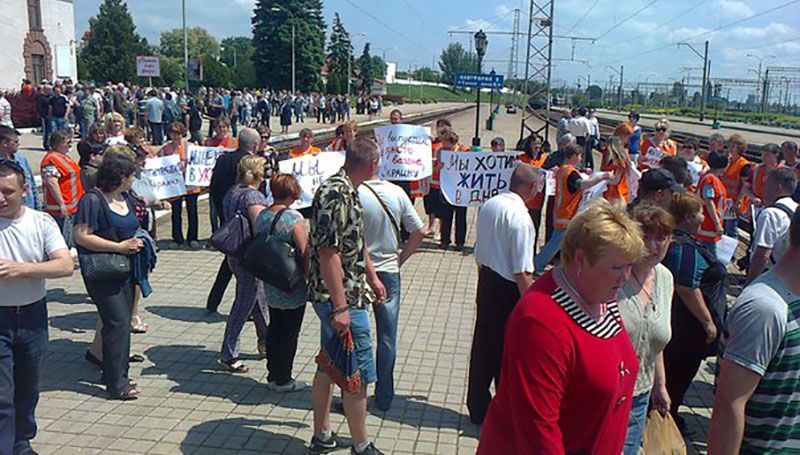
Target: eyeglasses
{"points": [[661, 130]]}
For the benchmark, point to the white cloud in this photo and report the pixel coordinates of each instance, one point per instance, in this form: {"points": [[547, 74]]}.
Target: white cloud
{"points": [[774, 29], [732, 9], [502, 9]]}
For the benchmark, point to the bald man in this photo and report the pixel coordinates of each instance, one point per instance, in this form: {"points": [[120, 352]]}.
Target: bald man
{"points": [[504, 253]]}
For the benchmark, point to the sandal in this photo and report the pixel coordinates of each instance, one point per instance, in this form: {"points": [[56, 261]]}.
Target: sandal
{"points": [[137, 326], [129, 393], [233, 366]]}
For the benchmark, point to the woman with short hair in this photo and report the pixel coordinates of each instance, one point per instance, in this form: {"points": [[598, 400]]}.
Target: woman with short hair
{"points": [[90, 151], [244, 198], [569, 368], [114, 124], [106, 223], [286, 309], [645, 302], [177, 146], [657, 146]]}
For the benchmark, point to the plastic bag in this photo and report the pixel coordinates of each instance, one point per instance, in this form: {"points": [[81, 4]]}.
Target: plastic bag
{"points": [[661, 436]]}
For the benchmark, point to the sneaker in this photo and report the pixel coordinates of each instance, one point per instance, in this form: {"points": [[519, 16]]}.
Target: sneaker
{"points": [[291, 386], [369, 450], [335, 442]]}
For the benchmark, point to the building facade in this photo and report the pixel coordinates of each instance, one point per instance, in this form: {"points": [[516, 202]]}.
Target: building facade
{"points": [[37, 41]]}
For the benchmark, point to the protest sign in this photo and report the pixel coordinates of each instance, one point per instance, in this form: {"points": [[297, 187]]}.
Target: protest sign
{"points": [[405, 152], [200, 163], [165, 176], [468, 179], [148, 66], [311, 171], [593, 192], [652, 157]]}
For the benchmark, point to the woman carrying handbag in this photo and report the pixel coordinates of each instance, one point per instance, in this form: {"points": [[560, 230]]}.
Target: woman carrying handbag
{"points": [[286, 308]]}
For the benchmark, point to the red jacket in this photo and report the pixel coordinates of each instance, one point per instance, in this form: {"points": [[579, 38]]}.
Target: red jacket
{"points": [[562, 388]]}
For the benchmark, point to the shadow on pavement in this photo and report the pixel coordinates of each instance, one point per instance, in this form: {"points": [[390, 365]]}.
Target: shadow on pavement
{"points": [[196, 372], [59, 295], [65, 369], [239, 433], [75, 322], [186, 314]]}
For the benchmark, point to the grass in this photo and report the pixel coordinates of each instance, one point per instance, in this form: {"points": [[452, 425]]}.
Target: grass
{"points": [[769, 119]]}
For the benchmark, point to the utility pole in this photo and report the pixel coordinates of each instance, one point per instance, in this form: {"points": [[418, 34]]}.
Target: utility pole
{"points": [[185, 48], [512, 61], [621, 77], [704, 92]]}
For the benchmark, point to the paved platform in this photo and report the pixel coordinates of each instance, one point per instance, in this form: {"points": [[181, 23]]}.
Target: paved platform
{"points": [[754, 134], [189, 406]]}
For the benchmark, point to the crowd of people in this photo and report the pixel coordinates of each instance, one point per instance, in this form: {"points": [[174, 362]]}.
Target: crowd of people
{"points": [[621, 305]]}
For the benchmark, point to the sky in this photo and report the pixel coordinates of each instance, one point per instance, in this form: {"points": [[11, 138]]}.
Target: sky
{"points": [[641, 35]]}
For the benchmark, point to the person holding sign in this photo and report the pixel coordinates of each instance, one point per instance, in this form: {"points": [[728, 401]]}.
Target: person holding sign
{"points": [[617, 159], [446, 210], [570, 185], [657, 146], [734, 179], [306, 146], [177, 146], [504, 253], [222, 135], [535, 156]]}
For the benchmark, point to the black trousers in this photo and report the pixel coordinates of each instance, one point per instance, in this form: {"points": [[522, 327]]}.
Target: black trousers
{"points": [[114, 301], [549, 218], [158, 133], [282, 334], [496, 298], [222, 280], [447, 223], [536, 217], [177, 218]]}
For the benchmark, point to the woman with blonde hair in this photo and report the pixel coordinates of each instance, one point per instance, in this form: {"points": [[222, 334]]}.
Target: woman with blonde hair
{"points": [[657, 146], [114, 124], [244, 198], [617, 159], [572, 393]]}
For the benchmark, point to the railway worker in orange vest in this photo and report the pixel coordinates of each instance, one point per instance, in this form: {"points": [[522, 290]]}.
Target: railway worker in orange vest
{"points": [[657, 146], [569, 192], [792, 160], [734, 178], [617, 159], [62, 183], [429, 188], [306, 146], [349, 130], [712, 190], [448, 212], [754, 186], [222, 135], [689, 151], [534, 153]]}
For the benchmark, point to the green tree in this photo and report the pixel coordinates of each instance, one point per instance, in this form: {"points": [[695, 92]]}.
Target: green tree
{"points": [[340, 55], [425, 74], [200, 43], [237, 53], [110, 53], [215, 74], [365, 71], [335, 85], [594, 92], [455, 59], [272, 39]]}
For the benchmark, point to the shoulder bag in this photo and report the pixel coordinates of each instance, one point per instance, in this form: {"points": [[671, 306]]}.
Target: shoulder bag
{"points": [[273, 260], [394, 222], [101, 266], [235, 235]]}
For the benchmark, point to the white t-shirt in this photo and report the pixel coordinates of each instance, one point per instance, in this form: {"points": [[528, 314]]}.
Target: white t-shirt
{"points": [[579, 126], [379, 232], [772, 223], [505, 236], [697, 167], [5, 112], [33, 237], [594, 127]]}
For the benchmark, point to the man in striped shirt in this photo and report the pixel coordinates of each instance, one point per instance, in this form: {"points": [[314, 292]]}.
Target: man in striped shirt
{"points": [[755, 408]]}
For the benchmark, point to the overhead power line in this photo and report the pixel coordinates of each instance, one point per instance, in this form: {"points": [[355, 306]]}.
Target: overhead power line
{"points": [[392, 29], [582, 17]]}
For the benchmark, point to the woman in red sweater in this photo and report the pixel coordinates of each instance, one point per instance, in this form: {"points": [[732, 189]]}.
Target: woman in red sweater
{"points": [[568, 366]]}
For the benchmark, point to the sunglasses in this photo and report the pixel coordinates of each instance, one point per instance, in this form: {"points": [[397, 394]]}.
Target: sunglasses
{"points": [[264, 138], [662, 130]]}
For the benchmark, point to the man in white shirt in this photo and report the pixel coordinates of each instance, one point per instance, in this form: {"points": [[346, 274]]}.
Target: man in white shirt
{"points": [[387, 209], [504, 253], [581, 128], [31, 250], [773, 222]]}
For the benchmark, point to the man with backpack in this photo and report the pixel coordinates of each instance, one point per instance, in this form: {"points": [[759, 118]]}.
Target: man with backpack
{"points": [[773, 222]]}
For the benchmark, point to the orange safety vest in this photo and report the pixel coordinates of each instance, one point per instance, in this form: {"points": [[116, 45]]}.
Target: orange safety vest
{"points": [[297, 152], [648, 160], [338, 145], [707, 231], [732, 177], [621, 189], [228, 142], [69, 183], [180, 150], [538, 201], [796, 169], [566, 203]]}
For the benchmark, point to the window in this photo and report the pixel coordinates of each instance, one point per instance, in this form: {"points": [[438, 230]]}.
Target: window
{"points": [[37, 67], [34, 15]]}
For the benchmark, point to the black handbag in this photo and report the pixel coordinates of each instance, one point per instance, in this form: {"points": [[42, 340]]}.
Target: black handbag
{"points": [[104, 266], [234, 236], [274, 261]]}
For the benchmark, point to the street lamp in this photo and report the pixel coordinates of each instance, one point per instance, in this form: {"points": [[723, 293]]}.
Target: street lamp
{"points": [[278, 9], [350, 63], [480, 47]]}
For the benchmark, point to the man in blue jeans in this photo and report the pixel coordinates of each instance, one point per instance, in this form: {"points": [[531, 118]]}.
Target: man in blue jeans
{"points": [[387, 208], [31, 250]]}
